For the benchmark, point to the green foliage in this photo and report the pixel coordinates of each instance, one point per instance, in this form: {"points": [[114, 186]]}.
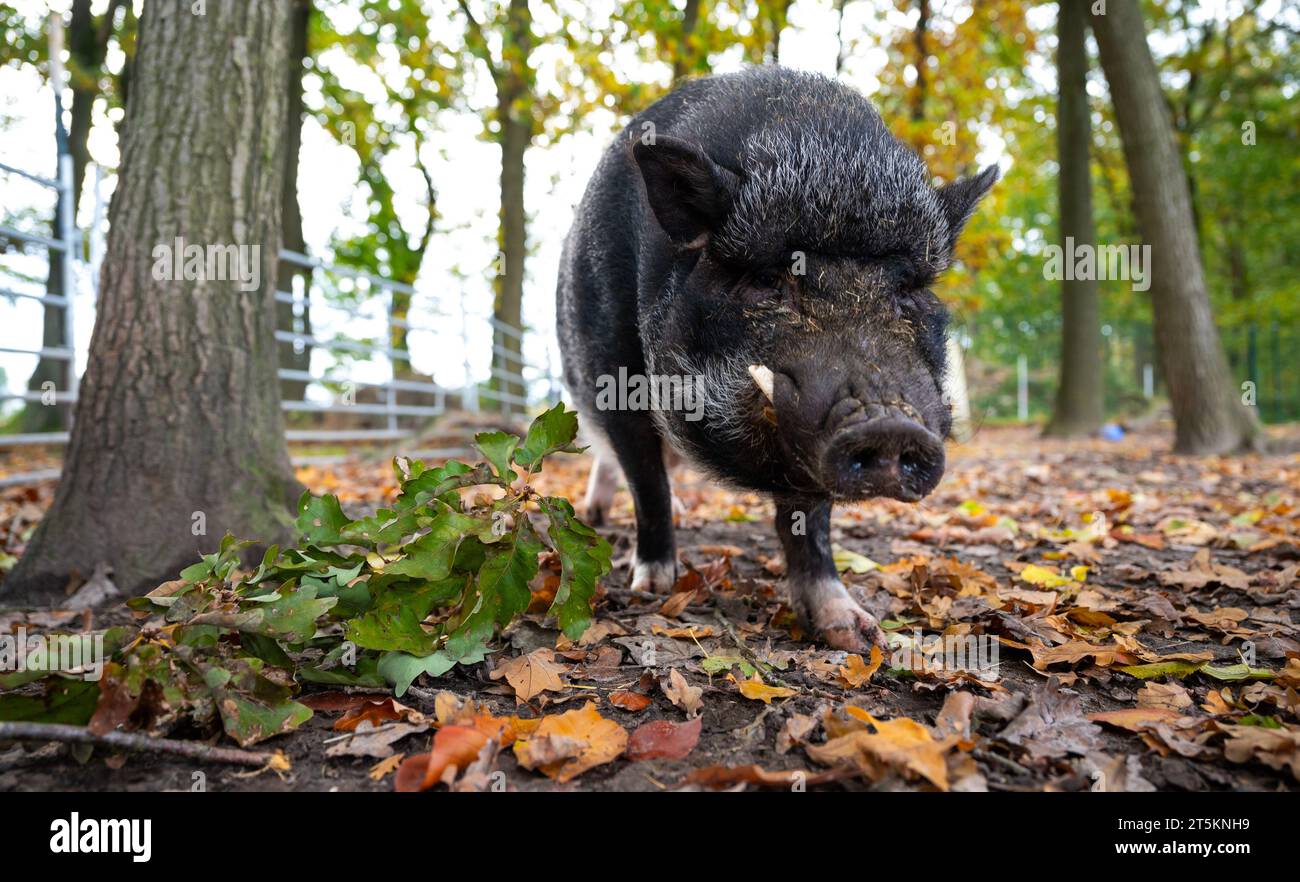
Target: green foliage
{"points": [[413, 589]]}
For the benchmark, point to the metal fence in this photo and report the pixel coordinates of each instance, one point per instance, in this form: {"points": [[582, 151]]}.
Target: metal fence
{"points": [[339, 365]]}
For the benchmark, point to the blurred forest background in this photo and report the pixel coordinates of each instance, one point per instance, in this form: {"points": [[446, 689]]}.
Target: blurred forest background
{"points": [[442, 144]]}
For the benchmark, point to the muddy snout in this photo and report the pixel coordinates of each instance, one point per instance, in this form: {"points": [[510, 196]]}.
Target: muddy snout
{"points": [[890, 455]]}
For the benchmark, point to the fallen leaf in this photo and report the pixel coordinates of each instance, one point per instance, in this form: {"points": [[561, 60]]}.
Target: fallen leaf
{"points": [[900, 744], [530, 675], [662, 739], [629, 701], [385, 767], [756, 690], [682, 694], [566, 745], [452, 746], [854, 673]]}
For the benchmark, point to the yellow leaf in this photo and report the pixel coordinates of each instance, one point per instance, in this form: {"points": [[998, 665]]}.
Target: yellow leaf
{"points": [[566, 745], [386, 766], [756, 690], [1043, 577], [846, 560]]}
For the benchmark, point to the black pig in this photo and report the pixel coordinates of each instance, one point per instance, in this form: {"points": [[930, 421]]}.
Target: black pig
{"points": [[762, 240]]}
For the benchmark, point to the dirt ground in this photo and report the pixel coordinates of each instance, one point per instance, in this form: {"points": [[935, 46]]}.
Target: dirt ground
{"points": [[1140, 608]]}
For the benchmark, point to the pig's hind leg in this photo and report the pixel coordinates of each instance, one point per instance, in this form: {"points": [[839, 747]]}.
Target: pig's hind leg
{"points": [[602, 483], [640, 452], [817, 595]]}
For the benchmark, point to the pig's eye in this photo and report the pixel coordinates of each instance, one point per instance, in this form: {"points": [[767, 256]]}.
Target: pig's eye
{"points": [[764, 284]]}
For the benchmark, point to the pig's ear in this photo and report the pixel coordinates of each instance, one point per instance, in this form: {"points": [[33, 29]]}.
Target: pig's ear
{"points": [[689, 193], [960, 197]]}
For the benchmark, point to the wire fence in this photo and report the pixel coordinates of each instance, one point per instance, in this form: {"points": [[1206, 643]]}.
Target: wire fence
{"points": [[350, 362]]}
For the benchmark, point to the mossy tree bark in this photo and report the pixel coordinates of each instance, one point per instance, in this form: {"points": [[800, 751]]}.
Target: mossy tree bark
{"points": [[1209, 414], [178, 436], [1079, 406]]}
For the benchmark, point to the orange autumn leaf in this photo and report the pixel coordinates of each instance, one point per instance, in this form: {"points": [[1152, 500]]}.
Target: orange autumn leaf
{"points": [[900, 744], [855, 672], [565, 745], [629, 701], [452, 746]]}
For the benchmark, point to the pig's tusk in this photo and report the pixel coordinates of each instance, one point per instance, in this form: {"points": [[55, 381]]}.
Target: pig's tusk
{"points": [[764, 378]]}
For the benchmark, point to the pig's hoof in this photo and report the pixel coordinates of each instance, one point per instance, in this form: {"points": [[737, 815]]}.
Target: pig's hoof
{"points": [[839, 620], [655, 577]]}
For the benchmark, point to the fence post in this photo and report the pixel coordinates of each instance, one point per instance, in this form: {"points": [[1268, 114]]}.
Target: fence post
{"points": [[390, 399], [1022, 388]]}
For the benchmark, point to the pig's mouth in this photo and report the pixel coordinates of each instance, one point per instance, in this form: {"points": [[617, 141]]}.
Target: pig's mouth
{"points": [[862, 450]]}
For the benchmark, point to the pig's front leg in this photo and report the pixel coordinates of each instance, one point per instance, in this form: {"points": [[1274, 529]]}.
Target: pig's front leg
{"points": [[640, 452], [816, 592]]}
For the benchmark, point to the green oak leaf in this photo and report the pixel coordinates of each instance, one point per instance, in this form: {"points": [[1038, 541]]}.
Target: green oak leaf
{"points": [[498, 448], [501, 590], [288, 614], [252, 707], [584, 558], [64, 701], [393, 621], [321, 519], [431, 555], [552, 432]]}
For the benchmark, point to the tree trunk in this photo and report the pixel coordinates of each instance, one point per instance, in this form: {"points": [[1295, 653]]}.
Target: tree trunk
{"points": [[178, 437], [919, 36], [684, 57], [515, 119], [291, 358], [1079, 398], [1208, 412]]}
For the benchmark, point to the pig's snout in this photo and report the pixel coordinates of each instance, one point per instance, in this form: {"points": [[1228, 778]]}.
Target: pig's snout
{"points": [[891, 456]]}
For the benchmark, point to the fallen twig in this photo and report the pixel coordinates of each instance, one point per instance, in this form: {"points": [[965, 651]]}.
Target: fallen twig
{"points": [[747, 653], [133, 741]]}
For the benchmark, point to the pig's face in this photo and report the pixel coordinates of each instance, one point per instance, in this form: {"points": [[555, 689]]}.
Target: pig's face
{"points": [[799, 292]]}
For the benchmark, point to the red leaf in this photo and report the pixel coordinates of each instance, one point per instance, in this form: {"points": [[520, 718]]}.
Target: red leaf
{"points": [[661, 739]]}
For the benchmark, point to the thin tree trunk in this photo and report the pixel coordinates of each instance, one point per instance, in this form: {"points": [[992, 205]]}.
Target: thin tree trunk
{"points": [[292, 358], [839, 36], [513, 99], [87, 46], [1208, 412], [684, 58], [1079, 397], [922, 54], [178, 437]]}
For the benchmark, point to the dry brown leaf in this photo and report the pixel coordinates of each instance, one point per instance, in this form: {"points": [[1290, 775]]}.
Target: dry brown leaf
{"points": [[530, 675], [682, 694], [1173, 696]]}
